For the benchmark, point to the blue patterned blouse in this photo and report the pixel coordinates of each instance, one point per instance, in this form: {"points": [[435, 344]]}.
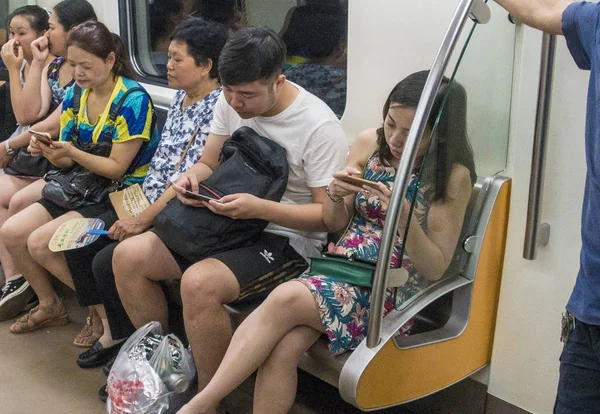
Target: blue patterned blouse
{"points": [[179, 128]]}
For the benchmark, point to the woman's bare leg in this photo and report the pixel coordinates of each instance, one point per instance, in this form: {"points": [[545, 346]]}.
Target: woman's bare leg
{"points": [[53, 262], [14, 194], [14, 234], [289, 306], [277, 379]]}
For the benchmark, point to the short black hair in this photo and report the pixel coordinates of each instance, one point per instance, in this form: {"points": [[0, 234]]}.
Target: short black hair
{"points": [[253, 53], [316, 30], [204, 41], [70, 13], [37, 17]]}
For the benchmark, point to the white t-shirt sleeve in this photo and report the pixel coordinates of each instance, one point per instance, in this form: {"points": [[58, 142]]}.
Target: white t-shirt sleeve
{"points": [[325, 154], [220, 122]]}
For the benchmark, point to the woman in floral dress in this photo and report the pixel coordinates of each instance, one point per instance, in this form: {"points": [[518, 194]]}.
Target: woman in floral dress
{"points": [[297, 313]]}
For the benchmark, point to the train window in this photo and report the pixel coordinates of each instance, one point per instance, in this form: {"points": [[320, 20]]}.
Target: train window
{"points": [[314, 31]]}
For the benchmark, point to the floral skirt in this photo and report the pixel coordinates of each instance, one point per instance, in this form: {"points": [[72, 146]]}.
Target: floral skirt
{"points": [[344, 310]]}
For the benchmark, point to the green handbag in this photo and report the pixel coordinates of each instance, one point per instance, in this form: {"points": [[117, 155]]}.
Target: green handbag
{"points": [[358, 272], [353, 271]]}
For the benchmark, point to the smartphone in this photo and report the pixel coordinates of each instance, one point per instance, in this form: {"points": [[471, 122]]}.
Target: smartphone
{"points": [[202, 197], [359, 182], [43, 138]]}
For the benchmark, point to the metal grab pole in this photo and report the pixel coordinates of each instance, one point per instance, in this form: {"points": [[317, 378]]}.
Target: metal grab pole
{"points": [[406, 165], [535, 233]]}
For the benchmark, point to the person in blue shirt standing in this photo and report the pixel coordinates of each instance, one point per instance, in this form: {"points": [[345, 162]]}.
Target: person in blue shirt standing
{"points": [[579, 384]]}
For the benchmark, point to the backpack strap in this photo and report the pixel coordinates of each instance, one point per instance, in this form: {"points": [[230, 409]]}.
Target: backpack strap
{"points": [[114, 112], [76, 100]]}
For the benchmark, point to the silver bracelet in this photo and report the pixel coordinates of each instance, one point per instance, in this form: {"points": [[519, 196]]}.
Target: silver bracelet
{"points": [[9, 151], [335, 200]]}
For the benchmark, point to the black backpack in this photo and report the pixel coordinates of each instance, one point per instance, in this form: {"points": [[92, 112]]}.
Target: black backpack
{"points": [[249, 164]]}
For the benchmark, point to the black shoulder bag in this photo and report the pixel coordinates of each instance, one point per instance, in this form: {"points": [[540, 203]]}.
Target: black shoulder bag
{"points": [[78, 187], [249, 164], [22, 163]]}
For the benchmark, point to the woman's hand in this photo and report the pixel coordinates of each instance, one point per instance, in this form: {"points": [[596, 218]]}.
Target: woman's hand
{"points": [[384, 193], [123, 229], [34, 147], [12, 55], [40, 50], [338, 188], [56, 150]]}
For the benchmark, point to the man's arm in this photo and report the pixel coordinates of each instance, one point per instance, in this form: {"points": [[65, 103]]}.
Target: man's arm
{"points": [[545, 15]]}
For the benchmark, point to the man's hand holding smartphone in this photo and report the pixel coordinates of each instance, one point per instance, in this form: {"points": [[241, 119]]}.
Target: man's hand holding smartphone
{"points": [[187, 184]]}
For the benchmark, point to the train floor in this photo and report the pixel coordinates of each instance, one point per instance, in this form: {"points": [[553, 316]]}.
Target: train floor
{"points": [[39, 375]]}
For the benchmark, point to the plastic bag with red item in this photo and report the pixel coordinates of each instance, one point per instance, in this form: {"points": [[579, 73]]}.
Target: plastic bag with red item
{"points": [[149, 371]]}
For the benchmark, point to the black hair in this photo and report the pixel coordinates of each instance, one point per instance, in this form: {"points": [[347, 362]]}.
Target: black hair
{"points": [[220, 11], [204, 41], [70, 13], [251, 54], [95, 38], [37, 17], [316, 30], [160, 16], [450, 142]]}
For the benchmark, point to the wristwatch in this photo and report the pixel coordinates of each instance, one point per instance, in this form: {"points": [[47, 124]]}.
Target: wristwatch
{"points": [[9, 151]]}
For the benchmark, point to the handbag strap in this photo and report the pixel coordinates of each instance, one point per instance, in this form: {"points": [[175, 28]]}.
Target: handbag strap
{"points": [[185, 151]]}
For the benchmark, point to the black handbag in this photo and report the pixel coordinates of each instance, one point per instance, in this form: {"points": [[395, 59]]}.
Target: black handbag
{"points": [[25, 164], [79, 187], [22, 163], [249, 164]]}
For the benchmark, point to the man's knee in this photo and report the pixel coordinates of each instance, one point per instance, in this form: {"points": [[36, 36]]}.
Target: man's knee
{"points": [[208, 283], [130, 257]]}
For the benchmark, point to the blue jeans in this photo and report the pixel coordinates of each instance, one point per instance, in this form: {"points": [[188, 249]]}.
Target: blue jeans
{"points": [[579, 383]]}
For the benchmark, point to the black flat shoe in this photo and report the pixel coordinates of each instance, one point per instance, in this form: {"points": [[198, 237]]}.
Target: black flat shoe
{"points": [[103, 394], [97, 355], [108, 366]]}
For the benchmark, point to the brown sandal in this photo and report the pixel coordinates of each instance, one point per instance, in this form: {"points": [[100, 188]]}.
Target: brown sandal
{"points": [[91, 332], [58, 317]]}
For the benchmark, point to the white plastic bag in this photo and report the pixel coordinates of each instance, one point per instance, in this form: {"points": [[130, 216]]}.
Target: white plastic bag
{"points": [[136, 383], [174, 364]]}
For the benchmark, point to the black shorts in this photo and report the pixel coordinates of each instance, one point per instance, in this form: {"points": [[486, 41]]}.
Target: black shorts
{"points": [[259, 268], [92, 211]]}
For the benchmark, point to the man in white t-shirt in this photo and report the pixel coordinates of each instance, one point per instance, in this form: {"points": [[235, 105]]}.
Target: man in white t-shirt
{"points": [[255, 94]]}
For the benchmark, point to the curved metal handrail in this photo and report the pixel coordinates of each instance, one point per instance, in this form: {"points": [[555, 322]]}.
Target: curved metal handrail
{"points": [[432, 85]]}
